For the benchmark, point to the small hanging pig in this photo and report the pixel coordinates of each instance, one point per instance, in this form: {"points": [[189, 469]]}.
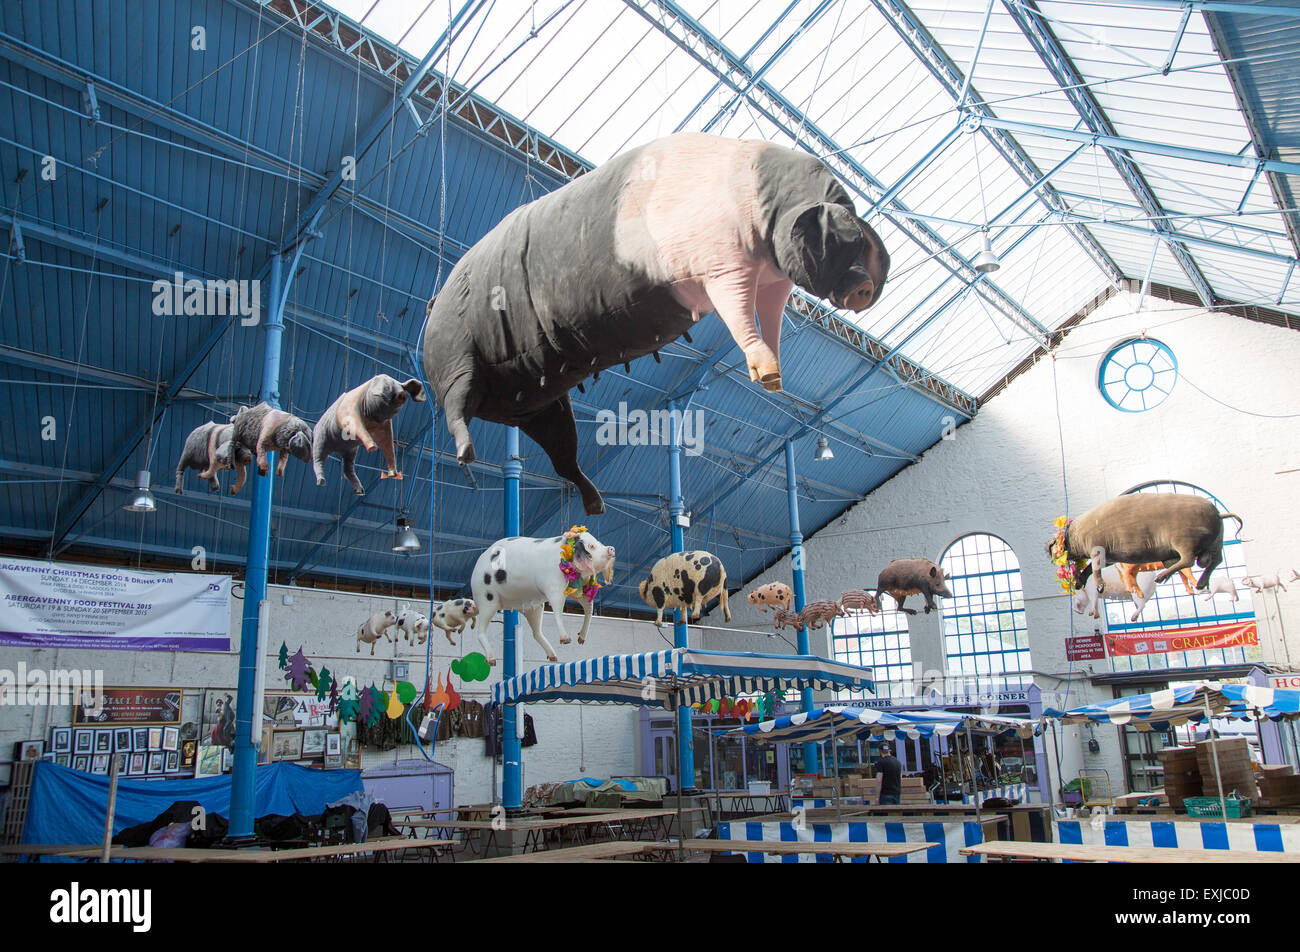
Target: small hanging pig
{"points": [[412, 624], [262, 428], [375, 627], [903, 577], [453, 614], [362, 417], [856, 600], [210, 449], [777, 594], [784, 618], [825, 611]]}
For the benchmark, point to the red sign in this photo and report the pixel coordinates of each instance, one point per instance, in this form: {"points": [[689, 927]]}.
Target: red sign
{"points": [[1085, 648], [1202, 638]]}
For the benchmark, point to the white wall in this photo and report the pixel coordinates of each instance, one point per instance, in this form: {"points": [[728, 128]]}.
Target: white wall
{"points": [[1001, 474]]}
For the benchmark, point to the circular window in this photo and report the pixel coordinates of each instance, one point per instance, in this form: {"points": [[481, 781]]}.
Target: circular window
{"points": [[1137, 374]]}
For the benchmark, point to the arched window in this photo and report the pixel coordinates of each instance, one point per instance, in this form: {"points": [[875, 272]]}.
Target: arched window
{"points": [[880, 642], [1174, 608], [984, 635]]}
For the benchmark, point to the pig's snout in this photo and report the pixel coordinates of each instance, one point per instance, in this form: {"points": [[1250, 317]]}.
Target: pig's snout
{"points": [[859, 298]]}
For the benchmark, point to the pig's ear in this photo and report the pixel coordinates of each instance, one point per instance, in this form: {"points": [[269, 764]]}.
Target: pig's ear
{"points": [[415, 389], [815, 245], [933, 571]]}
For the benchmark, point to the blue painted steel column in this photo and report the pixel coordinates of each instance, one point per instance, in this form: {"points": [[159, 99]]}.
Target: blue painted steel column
{"points": [[676, 509], [251, 647], [811, 760], [512, 789]]}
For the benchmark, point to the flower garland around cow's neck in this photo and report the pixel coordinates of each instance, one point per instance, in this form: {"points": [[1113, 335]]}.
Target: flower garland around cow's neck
{"points": [[1066, 570], [589, 586]]}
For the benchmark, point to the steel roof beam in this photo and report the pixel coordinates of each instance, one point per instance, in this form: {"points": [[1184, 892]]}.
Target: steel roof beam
{"points": [[958, 85], [1205, 6], [1032, 24], [676, 24]]}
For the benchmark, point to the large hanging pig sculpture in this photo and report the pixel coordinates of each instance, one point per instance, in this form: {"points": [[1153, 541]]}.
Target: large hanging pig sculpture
{"points": [[362, 418], [1175, 530], [625, 259]]}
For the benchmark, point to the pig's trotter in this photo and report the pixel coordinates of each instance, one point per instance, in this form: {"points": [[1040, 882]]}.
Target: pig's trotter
{"points": [[764, 367]]}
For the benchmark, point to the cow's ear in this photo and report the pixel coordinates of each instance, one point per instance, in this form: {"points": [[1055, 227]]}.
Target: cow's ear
{"points": [[415, 389]]}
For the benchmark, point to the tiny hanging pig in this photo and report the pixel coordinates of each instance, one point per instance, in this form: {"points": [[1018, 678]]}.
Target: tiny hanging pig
{"points": [[856, 600], [777, 594], [825, 611], [210, 449], [375, 627], [362, 417], [453, 614], [413, 625], [787, 619], [903, 577], [262, 428]]}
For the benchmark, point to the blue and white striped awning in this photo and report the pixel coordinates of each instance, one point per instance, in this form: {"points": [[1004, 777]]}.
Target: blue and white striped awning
{"points": [[679, 676], [1159, 710], [1250, 701], [845, 723]]}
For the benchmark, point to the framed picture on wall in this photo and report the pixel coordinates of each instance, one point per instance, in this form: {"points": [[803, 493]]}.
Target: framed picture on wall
{"points": [[140, 739], [99, 763], [63, 760], [173, 761], [208, 761], [81, 762], [227, 760], [286, 745], [83, 741], [189, 753], [122, 740], [137, 764], [171, 738], [29, 750], [156, 760], [155, 738], [313, 742], [333, 745], [103, 742], [61, 740]]}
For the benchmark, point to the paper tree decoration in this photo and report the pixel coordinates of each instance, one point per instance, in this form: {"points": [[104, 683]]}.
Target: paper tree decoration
{"points": [[472, 667], [394, 709], [297, 672], [284, 656], [438, 697], [370, 705], [349, 703], [323, 684], [335, 700]]}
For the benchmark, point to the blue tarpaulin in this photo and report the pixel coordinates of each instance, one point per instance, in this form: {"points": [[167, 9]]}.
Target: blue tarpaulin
{"points": [[69, 806]]}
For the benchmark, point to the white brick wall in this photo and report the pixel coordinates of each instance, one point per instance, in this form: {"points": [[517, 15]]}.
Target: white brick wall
{"points": [[1002, 474]]}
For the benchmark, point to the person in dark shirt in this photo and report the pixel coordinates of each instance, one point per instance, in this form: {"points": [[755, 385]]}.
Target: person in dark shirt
{"points": [[890, 770]]}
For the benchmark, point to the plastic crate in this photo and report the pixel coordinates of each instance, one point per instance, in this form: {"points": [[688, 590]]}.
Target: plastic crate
{"points": [[1209, 806]]}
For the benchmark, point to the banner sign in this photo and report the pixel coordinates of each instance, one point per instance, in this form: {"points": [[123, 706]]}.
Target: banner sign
{"points": [[61, 605], [132, 706], [1085, 648], [1284, 682], [1201, 638]]}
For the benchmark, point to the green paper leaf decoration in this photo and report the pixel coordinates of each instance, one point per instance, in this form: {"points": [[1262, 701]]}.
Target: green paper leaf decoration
{"points": [[405, 692], [284, 656], [472, 667], [324, 682]]}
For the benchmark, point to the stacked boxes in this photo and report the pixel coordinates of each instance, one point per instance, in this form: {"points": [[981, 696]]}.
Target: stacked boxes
{"points": [[1233, 765], [1182, 777], [1278, 787]]}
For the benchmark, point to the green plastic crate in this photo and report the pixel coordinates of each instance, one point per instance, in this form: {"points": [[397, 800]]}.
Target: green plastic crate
{"points": [[1209, 806]]}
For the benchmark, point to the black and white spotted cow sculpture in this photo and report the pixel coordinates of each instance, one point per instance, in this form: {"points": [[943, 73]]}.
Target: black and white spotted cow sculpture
{"points": [[453, 615], [524, 574], [686, 580]]}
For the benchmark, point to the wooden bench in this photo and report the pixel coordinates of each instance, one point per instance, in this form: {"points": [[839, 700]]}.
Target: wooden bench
{"points": [[1046, 852], [592, 851]]}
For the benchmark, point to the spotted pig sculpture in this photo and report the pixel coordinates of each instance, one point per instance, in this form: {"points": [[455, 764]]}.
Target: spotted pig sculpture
{"points": [[777, 594], [376, 627], [261, 429], [210, 449], [453, 615], [524, 574], [904, 577], [625, 259], [1173, 529], [362, 417], [412, 625], [686, 580]]}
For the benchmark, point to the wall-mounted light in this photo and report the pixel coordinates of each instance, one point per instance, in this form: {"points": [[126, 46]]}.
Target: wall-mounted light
{"points": [[141, 498]]}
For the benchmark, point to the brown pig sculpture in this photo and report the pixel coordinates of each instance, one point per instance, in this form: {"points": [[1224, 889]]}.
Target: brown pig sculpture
{"points": [[904, 577], [625, 259]]}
